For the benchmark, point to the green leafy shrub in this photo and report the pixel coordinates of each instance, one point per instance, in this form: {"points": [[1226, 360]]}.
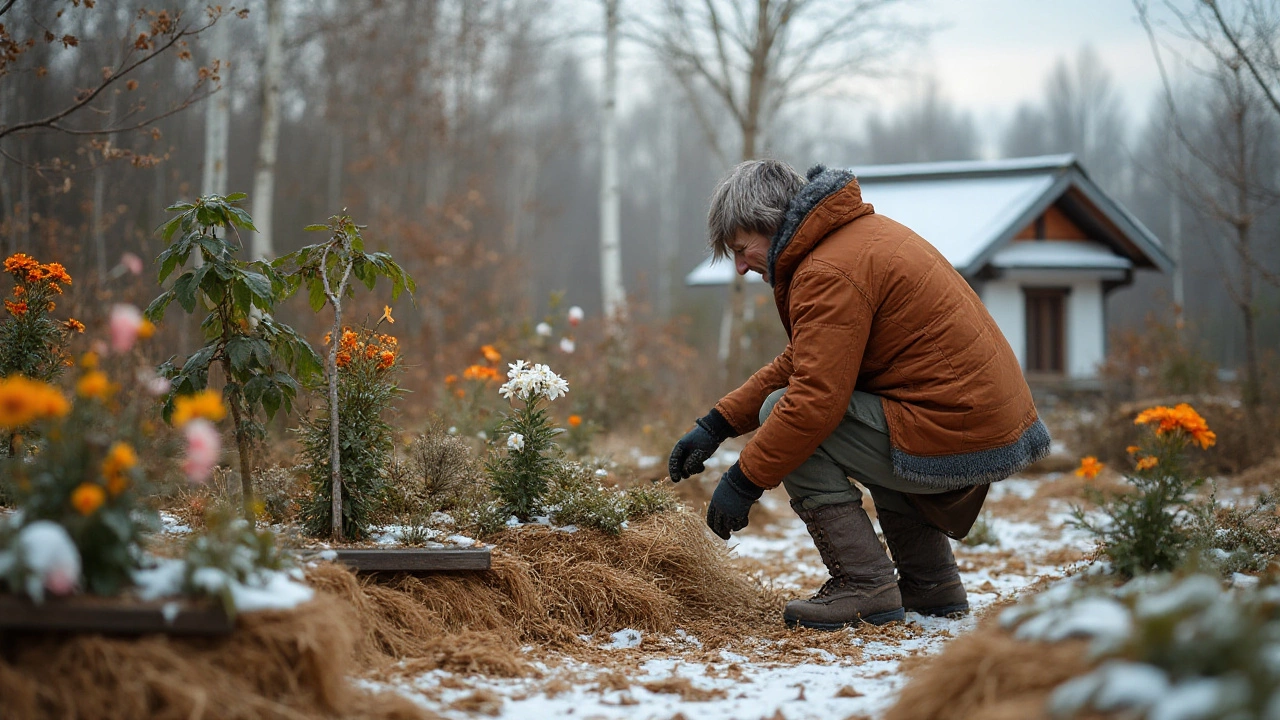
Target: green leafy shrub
{"points": [[259, 356], [642, 501], [521, 475], [1151, 526], [368, 365], [1239, 539]]}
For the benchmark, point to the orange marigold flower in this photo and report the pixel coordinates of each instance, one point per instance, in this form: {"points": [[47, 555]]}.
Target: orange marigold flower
{"points": [[1132, 449], [388, 340], [95, 384], [57, 272], [459, 393], [1184, 418], [386, 315], [206, 404], [17, 309], [491, 353], [87, 498], [74, 325], [119, 459], [18, 290], [386, 359], [55, 287], [450, 379], [1089, 468], [575, 420], [23, 401], [51, 306], [349, 340], [146, 329], [20, 264], [480, 372], [370, 351], [343, 359], [327, 337], [1148, 462]]}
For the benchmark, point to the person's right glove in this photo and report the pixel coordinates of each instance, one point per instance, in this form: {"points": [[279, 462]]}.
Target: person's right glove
{"points": [[697, 445], [731, 502]]}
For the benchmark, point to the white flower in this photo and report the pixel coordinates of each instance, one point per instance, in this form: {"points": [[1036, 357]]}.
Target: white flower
{"points": [[575, 315], [566, 345], [543, 329], [482, 435], [529, 383], [515, 441]]}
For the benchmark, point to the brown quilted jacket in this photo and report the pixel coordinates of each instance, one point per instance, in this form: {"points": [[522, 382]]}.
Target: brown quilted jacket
{"points": [[869, 305]]}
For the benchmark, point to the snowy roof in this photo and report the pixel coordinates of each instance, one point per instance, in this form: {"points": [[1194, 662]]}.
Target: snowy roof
{"points": [[970, 211], [713, 272], [1060, 254]]}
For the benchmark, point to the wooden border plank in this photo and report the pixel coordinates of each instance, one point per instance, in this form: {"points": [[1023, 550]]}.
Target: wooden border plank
{"points": [[415, 559], [112, 617]]}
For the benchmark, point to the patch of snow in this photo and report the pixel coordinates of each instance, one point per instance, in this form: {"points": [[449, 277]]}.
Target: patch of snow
{"points": [[270, 591], [460, 540], [172, 524], [626, 638]]}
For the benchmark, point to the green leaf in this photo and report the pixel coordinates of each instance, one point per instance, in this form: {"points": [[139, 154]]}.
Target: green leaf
{"points": [[241, 297], [315, 294], [170, 227], [179, 207], [236, 197], [199, 361], [315, 228], [185, 290], [241, 218], [255, 387], [260, 286], [261, 351], [155, 311], [240, 352], [271, 399]]}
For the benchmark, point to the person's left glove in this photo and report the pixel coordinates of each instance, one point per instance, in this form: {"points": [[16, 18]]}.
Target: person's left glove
{"points": [[731, 502]]}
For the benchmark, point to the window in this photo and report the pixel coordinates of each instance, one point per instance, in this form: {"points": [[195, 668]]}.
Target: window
{"points": [[1046, 329]]}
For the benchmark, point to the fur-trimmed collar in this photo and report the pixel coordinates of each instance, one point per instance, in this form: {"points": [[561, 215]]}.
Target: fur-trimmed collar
{"points": [[823, 183]]}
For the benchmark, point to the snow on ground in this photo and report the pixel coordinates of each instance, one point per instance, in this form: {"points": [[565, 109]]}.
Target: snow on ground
{"points": [[857, 674]]}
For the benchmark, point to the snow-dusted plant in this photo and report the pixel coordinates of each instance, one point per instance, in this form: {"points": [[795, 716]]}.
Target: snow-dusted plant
{"points": [[520, 475], [230, 552]]}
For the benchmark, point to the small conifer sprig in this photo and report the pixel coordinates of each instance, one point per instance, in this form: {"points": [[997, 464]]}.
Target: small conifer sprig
{"points": [[520, 477]]}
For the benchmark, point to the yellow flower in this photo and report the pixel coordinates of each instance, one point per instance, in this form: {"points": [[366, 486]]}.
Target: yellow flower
{"points": [[23, 401], [205, 404], [1148, 462], [119, 459], [89, 360], [386, 315], [94, 384], [87, 498], [146, 329], [1089, 468], [491, 353]]}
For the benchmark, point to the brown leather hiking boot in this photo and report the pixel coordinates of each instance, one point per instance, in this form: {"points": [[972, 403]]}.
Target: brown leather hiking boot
{"points": [[928, 577], [862, 587]]}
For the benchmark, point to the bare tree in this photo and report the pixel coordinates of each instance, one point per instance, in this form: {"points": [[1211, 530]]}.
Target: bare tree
{"points": [[1223, 168], [928, 129], [264, 183], [753, 58], [150, 36], [612, 291]]}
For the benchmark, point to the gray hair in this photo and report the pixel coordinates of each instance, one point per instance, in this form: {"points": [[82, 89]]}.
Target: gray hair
{"points": [[753, 197]]}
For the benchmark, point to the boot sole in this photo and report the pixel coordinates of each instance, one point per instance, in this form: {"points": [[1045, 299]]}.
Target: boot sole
{"points": [[876, 619], [947, 611]]}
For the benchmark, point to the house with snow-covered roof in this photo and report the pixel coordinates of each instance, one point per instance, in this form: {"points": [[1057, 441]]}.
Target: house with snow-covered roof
{"points": [[1038, 240]]}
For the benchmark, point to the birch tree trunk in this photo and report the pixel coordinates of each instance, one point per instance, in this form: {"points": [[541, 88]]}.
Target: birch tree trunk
{"points": [[610, 237], [218, 119], [264, 181]]}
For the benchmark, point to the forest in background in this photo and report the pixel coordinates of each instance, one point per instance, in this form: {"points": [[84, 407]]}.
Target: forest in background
{"points": [[466, 135]]}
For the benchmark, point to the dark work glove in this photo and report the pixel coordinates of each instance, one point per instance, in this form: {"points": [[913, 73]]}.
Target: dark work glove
{"points": [[731, 502], [697, 445]]}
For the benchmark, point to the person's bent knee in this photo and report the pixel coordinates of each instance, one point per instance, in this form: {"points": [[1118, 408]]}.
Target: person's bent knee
{"points": [[769, 402]]}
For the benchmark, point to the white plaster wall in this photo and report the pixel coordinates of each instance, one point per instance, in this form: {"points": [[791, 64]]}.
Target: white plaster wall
{"points": [[1086, 331], [1007, 306]]}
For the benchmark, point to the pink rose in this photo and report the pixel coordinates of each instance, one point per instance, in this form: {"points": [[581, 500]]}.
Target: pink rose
{"points": [[125, 322], [132, 263], [204, 446]]}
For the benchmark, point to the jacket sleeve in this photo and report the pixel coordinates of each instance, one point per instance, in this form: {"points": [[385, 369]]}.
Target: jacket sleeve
{"points": [[742, 406], [831, 322]]}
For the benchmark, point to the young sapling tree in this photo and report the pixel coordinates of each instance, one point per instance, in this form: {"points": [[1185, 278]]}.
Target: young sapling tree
{"points": [[261, 359], [326, 269]]}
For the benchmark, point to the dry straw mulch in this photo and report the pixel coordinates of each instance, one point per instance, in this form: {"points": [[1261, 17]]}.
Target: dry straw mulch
{"points": [[277, 665], [547, 587], [988, 675]]}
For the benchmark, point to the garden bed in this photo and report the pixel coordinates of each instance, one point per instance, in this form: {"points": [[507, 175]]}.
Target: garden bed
{"points": [[414, 560], [112, 616]]}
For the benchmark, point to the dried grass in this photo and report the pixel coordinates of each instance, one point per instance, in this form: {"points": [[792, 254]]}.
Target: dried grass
{"points": [[987, 675], [282, 665], [548, 587]]}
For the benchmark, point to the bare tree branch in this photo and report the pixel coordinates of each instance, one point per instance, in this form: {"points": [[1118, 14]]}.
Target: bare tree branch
{"points": [[1240, 51]]}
